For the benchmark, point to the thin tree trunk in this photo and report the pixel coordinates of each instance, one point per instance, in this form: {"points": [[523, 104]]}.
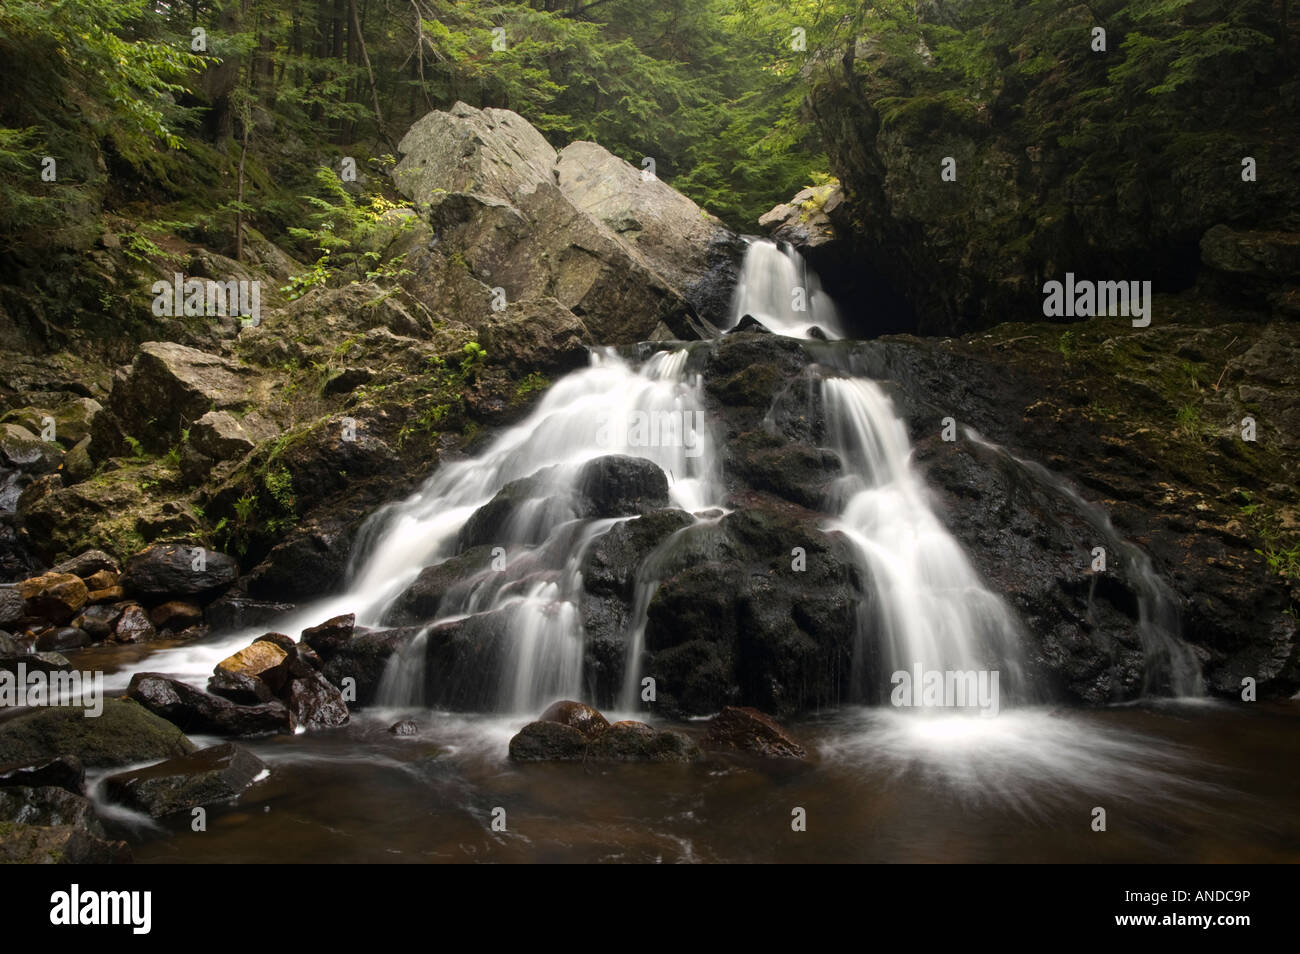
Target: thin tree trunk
{"points": [[239, 197], [419, 53], [365, 58]]}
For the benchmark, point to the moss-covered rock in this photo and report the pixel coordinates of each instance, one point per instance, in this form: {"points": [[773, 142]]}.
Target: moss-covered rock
{"points": [[123, 733]]}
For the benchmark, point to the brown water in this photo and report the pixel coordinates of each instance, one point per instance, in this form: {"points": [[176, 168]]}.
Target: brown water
{"points": [[1197, 782]]}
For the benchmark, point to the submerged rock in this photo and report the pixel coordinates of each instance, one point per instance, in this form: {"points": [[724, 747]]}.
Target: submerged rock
{"points": [[574, 732], [745, 729], [548, 742], [637, 742], [217, 774]]}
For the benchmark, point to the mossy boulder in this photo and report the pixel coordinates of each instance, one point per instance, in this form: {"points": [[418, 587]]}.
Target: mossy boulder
{"points": [[124, 733]]}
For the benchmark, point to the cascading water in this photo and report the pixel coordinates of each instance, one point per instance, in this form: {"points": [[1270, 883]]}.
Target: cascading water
{"points": [[778, 288], [927, 608], [931, 611], [610, 408], [1170, 665]]}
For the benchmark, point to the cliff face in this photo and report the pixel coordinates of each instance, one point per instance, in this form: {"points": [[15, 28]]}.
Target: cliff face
{"points": [[982, 157]]}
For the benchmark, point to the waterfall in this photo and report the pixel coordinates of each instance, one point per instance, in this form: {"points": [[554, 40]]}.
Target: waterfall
{"points": [[781, 291], [927, 608], [1170, 665], [609, 408], [930, 609]]}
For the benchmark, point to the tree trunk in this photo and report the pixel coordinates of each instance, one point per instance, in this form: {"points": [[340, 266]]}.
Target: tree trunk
{"points": [[365, 58]]}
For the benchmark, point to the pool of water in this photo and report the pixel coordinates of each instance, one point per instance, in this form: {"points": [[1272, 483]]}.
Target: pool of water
{"points": [[1179, 782]]}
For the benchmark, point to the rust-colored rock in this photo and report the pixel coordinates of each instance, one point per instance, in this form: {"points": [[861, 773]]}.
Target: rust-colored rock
{"points": [[579, 715], [54, 596]]}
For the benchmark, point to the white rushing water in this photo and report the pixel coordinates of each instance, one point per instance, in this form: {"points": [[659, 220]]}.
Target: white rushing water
{"points": [[778, 288], [1170, 664], [652, 412], [930, 608]]}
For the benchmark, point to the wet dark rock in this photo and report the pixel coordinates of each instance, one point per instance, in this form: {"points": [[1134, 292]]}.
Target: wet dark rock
{"points": [[751, 324], [239, 688], [617, 485], [313, 559], [494, 523], [548, 742], [465, 661], [64, 771], [133, 625], [638, 742], [86, 565], [34, 662], [217, 774], [315, 703], [123, 734], [63, 638], [363, 659], [765, 614], [578, 715], [194, 710], [745, 729], [167, 571], [614, 559], [175, 615], [404, 729], [12, 606], [420, 602], [60, 844], [232, 612], [771, 462], [309, 656], [48, 806]]}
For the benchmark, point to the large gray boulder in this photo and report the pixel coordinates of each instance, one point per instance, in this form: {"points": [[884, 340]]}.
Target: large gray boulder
{"points": [[632, 258], [690, 249], [489, 153]]}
